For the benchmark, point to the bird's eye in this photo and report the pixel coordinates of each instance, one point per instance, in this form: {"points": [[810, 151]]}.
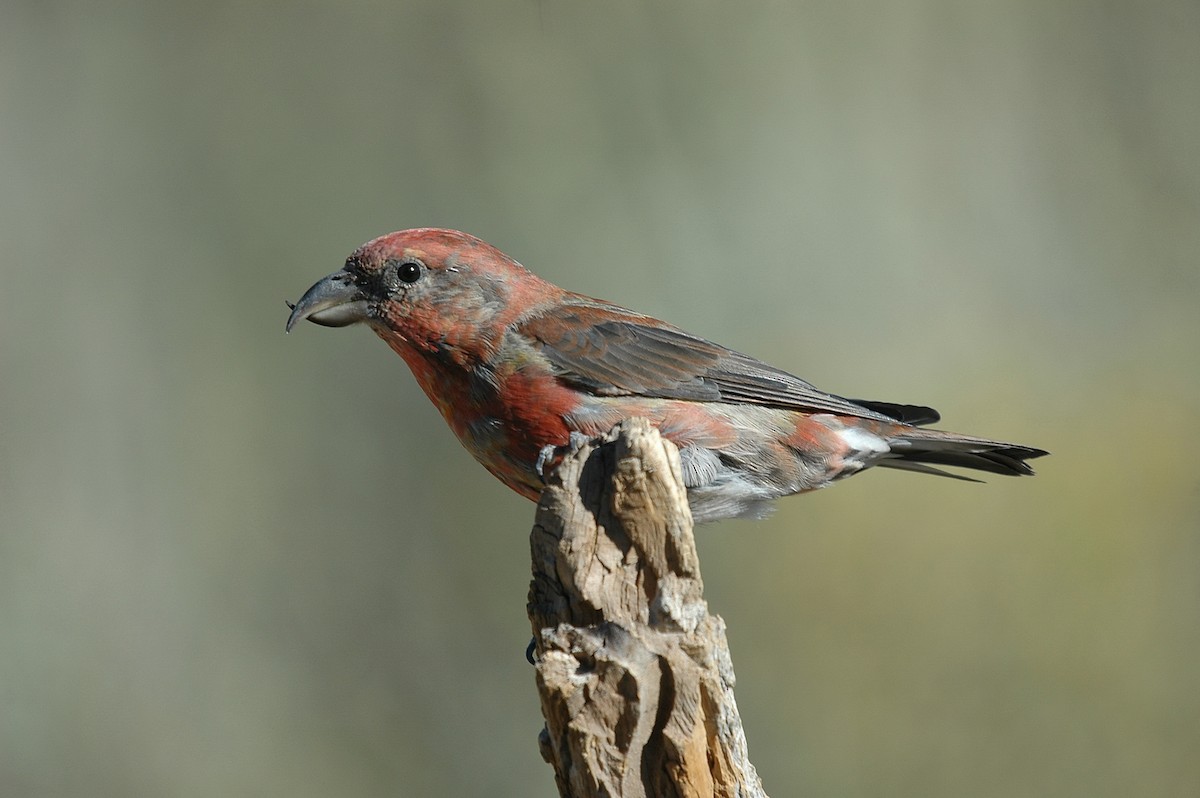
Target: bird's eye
{"points": [[408, 272]]}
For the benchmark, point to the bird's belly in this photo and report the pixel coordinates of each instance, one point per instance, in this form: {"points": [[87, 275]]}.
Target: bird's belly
{"points": [[736, 459], [510, 450]]}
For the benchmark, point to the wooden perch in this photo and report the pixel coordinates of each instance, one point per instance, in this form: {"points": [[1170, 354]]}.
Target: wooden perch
{"points": [[634, 674]]}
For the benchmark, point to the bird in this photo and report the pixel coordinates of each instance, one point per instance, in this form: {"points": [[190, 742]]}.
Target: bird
{"points": [[520, 368]]}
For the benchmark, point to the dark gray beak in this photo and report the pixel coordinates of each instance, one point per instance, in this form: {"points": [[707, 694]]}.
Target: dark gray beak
{"points": [[335, 301]]}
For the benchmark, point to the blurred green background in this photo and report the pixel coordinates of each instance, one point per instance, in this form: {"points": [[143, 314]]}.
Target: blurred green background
{"points": [[238, 563]]}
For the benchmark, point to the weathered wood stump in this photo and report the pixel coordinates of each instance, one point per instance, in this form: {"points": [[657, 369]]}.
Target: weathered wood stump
{"points": [[634, 673]]}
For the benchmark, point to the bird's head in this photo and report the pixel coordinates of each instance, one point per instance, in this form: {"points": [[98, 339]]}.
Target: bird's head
{"points": [[425, 289]]}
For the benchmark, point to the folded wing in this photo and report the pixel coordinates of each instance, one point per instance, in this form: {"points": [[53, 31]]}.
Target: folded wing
{"points": [[610, 351]]}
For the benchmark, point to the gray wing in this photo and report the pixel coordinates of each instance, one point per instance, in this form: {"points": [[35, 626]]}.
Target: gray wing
{"points": [[609, 351]]}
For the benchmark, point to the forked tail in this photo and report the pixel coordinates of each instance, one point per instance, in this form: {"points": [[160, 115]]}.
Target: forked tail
{"points": [[922, 450]]}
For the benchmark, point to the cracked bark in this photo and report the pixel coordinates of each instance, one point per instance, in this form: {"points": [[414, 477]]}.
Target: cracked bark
{"points": [[634, 674]]}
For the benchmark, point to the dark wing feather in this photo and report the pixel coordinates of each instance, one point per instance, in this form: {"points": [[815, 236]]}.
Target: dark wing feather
{"points": [[613, 352], [908, 414]]}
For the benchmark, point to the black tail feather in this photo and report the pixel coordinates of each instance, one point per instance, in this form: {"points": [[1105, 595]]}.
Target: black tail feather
{"points": [[935, 448]]}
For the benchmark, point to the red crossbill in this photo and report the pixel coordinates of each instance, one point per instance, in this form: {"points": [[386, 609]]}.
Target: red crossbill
{"points": [[518, 366]]}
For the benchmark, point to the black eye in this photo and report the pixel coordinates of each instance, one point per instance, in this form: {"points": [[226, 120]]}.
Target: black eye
{"points": [[408, 272]]}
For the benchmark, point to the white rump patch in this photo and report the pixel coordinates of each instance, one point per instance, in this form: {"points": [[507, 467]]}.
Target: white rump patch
{"points": [[863, 442]]}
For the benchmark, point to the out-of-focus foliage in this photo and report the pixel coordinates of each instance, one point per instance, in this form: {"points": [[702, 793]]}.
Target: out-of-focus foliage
{"points": [[238, 563]]}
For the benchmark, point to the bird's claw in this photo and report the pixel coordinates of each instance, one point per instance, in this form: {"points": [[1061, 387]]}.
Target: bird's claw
{"points": [[544, 457], [550, 453]]}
